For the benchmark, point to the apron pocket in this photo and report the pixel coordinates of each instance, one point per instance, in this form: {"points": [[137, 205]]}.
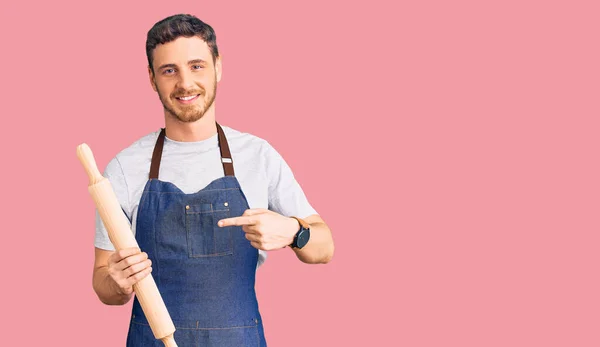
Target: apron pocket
{"points": [[204, 237]]}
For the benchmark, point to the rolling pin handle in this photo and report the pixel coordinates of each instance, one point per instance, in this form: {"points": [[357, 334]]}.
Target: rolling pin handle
{"points": [[169, 341], [84, 153]]}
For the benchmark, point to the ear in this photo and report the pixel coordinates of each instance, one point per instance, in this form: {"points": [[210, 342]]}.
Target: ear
{"points": [[151, 76], [218, 68]]}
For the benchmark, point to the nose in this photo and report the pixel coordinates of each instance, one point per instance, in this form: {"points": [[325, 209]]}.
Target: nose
{"points": [[186, 80]]}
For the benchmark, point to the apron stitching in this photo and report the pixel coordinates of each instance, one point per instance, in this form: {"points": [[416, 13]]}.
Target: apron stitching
{"points": [[201, 190], [257, 336], [227, 328], [157, 273], [212, 213], [198, 328]]}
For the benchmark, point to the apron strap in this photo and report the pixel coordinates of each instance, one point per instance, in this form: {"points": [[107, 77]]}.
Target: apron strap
{"points": [[226, 159], [225, 153], [157, 154]]}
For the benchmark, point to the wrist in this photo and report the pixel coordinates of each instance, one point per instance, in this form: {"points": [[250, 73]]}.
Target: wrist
{"points": [[302, 234], [294, 227]]}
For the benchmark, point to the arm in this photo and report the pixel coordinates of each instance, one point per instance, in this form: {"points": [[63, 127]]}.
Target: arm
{"points": [[269, 230], [320, 248], [109, 278], [273, 228]]}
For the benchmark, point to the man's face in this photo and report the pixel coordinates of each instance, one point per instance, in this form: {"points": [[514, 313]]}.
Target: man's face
{"points": [[185, 77]]}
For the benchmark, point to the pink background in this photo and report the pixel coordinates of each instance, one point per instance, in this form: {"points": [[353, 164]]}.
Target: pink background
{"points": [[452, 146]]}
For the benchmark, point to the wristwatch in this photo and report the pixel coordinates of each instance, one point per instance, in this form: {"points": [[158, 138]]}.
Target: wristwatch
{"points": [[302, 236]]}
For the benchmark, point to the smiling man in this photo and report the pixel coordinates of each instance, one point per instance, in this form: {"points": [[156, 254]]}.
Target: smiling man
{"points": [[205, 203]]}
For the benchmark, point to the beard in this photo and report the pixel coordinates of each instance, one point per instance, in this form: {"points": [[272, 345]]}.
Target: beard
{"points": [[189, 113]]}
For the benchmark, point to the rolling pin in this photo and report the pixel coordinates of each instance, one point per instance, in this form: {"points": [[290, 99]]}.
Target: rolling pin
{"points": [[120, 235]]}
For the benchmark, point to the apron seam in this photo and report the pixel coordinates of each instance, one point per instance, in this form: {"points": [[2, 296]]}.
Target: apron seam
{"points": [[198, 328]]}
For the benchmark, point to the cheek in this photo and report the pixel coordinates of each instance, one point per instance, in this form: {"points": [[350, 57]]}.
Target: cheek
{"points": [[163, 89], [209, 85]]}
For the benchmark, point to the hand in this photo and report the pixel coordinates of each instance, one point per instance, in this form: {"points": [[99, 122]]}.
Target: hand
{"points": [[266, 230], [127, 267]]}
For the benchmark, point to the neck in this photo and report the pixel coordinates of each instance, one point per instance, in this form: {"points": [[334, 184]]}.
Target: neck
{"points": [[199, 130]]}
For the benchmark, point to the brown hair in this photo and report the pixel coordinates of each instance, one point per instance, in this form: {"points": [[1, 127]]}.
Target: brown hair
{"points": [[173, 27]]}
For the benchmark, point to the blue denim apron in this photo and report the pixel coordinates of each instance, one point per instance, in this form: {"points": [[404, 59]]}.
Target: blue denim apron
{"points": [[205, 273]]}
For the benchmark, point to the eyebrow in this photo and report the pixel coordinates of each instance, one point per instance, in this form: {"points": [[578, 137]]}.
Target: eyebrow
{"points": [[195, 61]]}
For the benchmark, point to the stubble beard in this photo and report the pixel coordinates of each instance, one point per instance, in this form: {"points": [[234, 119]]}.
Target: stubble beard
{"points": [[189, 113]]}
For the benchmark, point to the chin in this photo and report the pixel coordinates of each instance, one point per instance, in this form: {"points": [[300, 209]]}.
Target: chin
{"points": [[187, 114], [190, 117]]}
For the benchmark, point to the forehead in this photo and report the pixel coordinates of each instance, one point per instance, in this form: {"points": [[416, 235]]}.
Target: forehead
{"points": [[181, 50]]}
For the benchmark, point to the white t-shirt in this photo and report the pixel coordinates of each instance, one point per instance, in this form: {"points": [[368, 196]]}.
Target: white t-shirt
{"points": [[264, 176]]}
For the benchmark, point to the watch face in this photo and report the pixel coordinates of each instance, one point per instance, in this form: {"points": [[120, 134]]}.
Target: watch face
{"points": [[303, 237]]}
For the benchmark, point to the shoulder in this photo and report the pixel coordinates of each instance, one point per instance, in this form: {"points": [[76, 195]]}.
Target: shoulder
{"points": [[136, 155], [240, 138], [252, 153], [248, 144], [140, 147]]}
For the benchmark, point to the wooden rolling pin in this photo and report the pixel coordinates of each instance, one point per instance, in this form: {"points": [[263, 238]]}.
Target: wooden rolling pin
{"points": [[121, 237]]}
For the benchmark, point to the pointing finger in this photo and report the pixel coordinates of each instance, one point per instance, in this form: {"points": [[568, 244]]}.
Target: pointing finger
{"points": [[236, 221]]}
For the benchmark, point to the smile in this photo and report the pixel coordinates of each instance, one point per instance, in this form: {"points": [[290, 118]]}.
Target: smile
{"points": [[188, 99]]}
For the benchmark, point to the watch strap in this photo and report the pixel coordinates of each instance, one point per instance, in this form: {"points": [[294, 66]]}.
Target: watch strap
{"points": [[303, 225]]}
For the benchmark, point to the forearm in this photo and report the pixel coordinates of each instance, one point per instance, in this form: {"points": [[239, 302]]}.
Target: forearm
{"points": [[106, 289], [319, 249]]}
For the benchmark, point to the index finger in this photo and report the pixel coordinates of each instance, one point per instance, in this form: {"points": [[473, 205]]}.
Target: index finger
{"points": [[126, 252], [237, 221]]}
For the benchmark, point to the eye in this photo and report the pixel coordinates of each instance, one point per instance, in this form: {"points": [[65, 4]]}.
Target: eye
{"points": [[196, 67], [168, 71]]}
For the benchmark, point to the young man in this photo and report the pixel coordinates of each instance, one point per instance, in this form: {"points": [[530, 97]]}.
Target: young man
{"points": [[205, 202]]}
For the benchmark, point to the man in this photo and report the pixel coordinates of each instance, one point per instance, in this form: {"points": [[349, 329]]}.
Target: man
{"points": [[205, 202]]}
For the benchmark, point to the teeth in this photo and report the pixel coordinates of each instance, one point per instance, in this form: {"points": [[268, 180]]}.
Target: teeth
{"points": [[187, 98]]}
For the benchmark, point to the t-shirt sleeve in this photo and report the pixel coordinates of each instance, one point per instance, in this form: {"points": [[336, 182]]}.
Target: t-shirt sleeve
{"points": [[114, 173], [286, 197]]}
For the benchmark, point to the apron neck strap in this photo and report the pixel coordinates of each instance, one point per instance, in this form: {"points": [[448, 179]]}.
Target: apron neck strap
{"points": [[226, 159]]}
